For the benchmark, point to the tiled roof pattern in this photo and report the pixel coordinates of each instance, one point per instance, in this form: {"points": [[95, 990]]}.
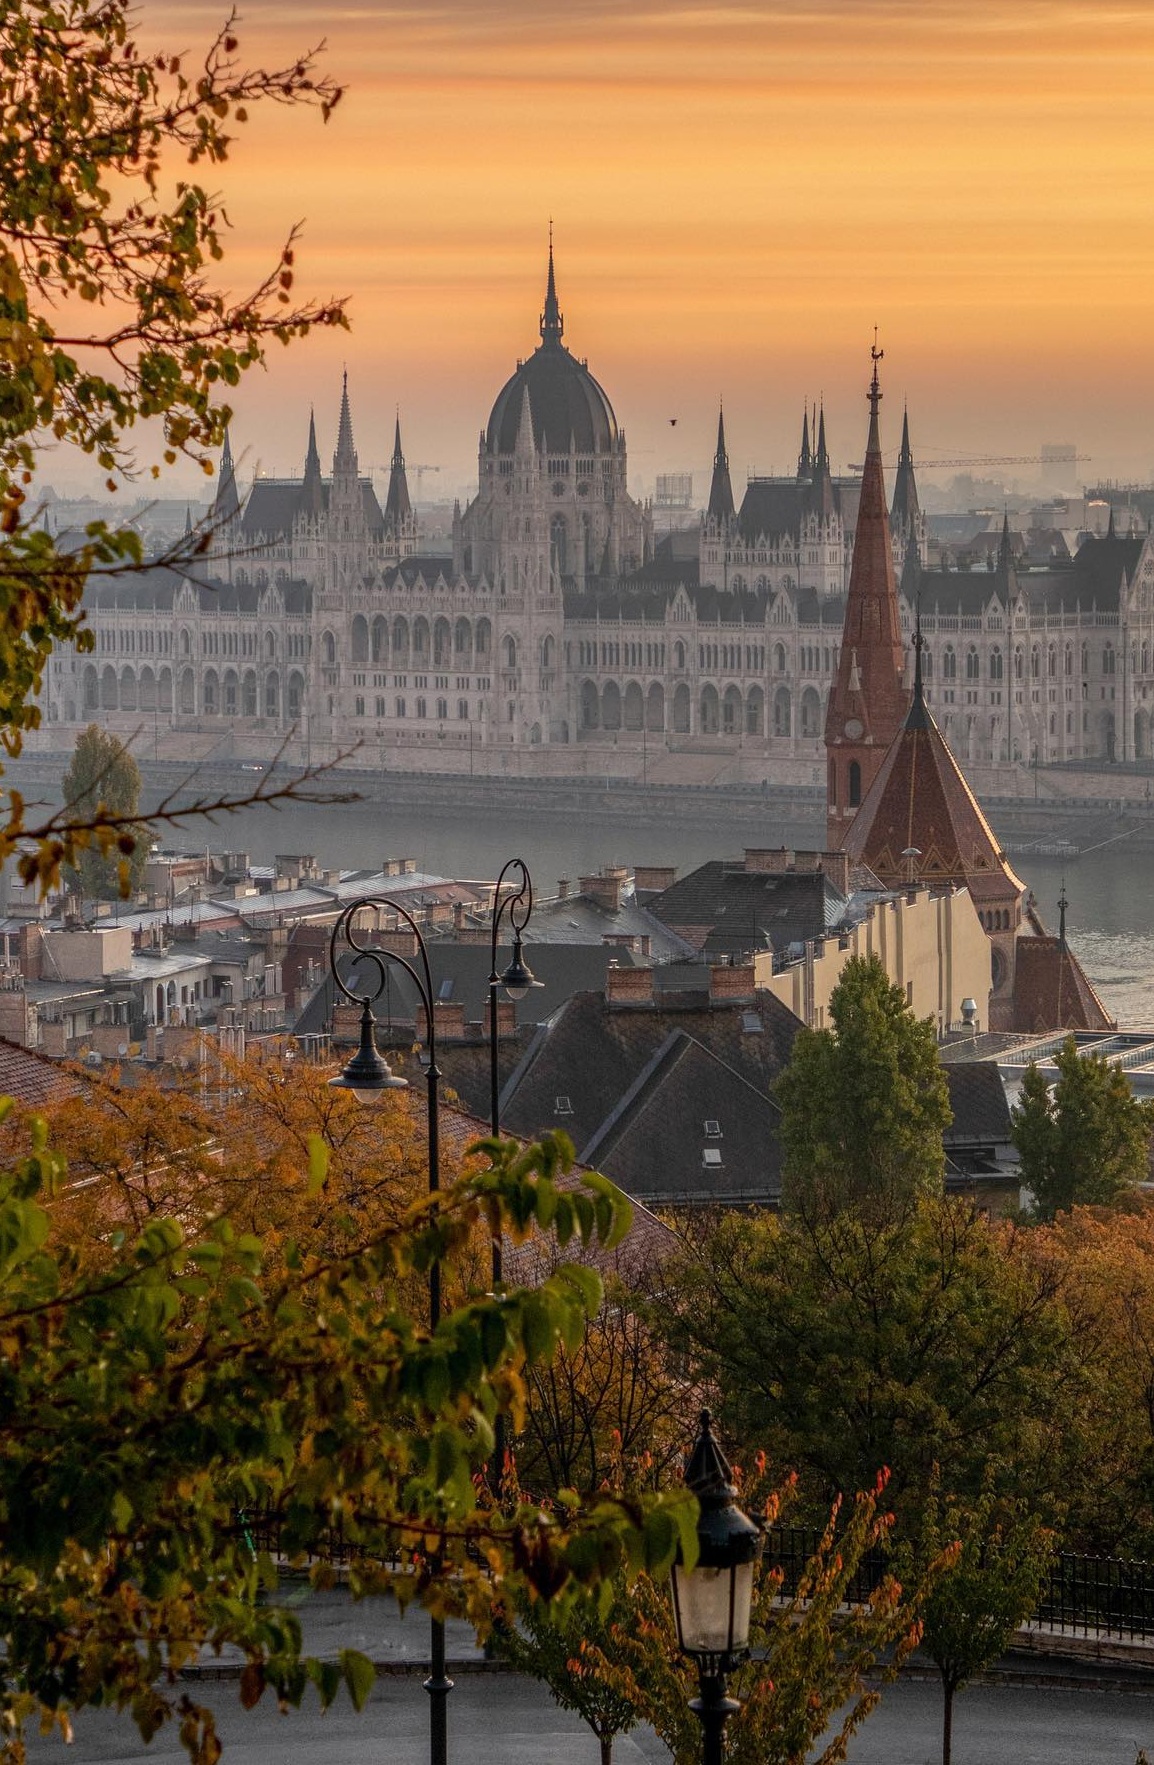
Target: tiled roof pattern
{"points": [[920, 802], [1051, 990], [653, 1145], [590, 1054], [33, 1079], [720, 908]]}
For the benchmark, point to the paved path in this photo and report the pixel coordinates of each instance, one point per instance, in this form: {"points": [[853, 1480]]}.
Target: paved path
{"points": [[498, 1718]]}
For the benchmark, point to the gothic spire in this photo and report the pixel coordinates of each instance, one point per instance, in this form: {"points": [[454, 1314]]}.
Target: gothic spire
{"points": [[1005, 550], [226, 503], [1062, 906], [906, 507], [804, 458], [821, 498], [345, 458], [312, 490], [398, 508], [552, 324], [721, 489], [868, 703]]}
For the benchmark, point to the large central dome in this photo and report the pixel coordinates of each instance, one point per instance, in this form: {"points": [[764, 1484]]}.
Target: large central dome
{"points": [[569, 408]]}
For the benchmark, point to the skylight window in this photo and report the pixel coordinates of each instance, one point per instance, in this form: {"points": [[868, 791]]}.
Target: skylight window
{"points": [[713, 1130], [711, 1158], [562, 1106]]}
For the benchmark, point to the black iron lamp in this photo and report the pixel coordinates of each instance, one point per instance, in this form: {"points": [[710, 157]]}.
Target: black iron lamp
{"points": [[516, 901], [368, 1077], [713, 1600], [366, 1074]]}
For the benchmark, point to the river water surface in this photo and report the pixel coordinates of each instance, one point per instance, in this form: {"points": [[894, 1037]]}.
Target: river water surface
{"points": [[1110, 921]]}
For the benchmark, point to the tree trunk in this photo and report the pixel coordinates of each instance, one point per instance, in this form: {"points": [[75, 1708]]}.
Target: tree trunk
{"points": [[606, 1743], [947, 1721]]}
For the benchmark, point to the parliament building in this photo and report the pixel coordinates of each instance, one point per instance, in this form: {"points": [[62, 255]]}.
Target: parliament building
{"points": [[558, 621]]}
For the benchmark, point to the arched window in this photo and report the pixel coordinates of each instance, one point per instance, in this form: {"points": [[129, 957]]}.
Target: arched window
{"points": [[949, 663], [1035, 663], [854, 782], [1051, 663], [509, 648], [972, 664], [995, 663], [329, 649], [1108, 659]]}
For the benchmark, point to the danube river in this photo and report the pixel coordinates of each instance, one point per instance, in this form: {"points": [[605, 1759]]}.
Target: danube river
{"points": [[1110, 921]]}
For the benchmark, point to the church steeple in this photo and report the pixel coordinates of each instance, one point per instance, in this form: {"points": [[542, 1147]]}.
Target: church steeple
{"points": [[721, 490], [226, 502], [552, 323], [868, 703], [398, 508]]}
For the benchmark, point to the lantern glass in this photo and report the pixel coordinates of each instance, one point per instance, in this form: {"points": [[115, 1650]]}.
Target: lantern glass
{"points": [[712, 1608]]}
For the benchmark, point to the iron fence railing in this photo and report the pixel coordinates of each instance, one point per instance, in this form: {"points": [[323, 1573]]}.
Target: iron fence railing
{"points": [[1081, 1596]]}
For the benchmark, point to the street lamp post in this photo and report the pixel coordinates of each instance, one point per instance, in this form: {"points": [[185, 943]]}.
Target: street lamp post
{"points": [[712, 1601], [517, 902], [367, 1076]]}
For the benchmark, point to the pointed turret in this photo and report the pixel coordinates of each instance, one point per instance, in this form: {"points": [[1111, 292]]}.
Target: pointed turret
{"points": [[821, 458], [226, 502], [345, 458], [721, 507], [868, 702], [821, 497], [552, 324], [905, 509], [313, 495], [398, 508], [804, 458]]}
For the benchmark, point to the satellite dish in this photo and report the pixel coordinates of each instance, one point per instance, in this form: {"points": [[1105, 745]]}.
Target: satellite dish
{"points": [[122, 1049]]}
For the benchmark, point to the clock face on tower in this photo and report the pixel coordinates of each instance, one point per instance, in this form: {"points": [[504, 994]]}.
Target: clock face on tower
{"points": [[854, 729]]}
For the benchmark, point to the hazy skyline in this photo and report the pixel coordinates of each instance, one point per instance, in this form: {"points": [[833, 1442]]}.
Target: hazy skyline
{"points": [[739, 192]]}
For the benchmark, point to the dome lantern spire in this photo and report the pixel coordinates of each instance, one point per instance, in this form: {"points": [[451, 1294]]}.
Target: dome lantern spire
{"points": [[552, 323]]}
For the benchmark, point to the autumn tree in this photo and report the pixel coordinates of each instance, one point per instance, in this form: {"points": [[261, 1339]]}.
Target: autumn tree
{"points": [[939, 1337], [863, 1104], [818, 1650], [556, 1648], [112, 317], [1086, 1139], [103, 777], [980, 1596], [142, 1401]]}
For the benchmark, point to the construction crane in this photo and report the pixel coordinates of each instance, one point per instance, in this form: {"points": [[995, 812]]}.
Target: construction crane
{"points": [[924, 465], [921, 465]]}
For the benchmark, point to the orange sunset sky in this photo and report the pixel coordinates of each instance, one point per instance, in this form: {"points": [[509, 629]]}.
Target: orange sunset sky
{"points": [[739, 192]]}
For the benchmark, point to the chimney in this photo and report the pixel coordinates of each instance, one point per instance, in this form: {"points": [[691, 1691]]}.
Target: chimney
{"points": [[653, 879], [449, 1017], [458, 916], [506, 1020], [628, 987], [31, 951], [563, 888], [770, 862], [606, 888], [731, 983], [836, 867]]}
